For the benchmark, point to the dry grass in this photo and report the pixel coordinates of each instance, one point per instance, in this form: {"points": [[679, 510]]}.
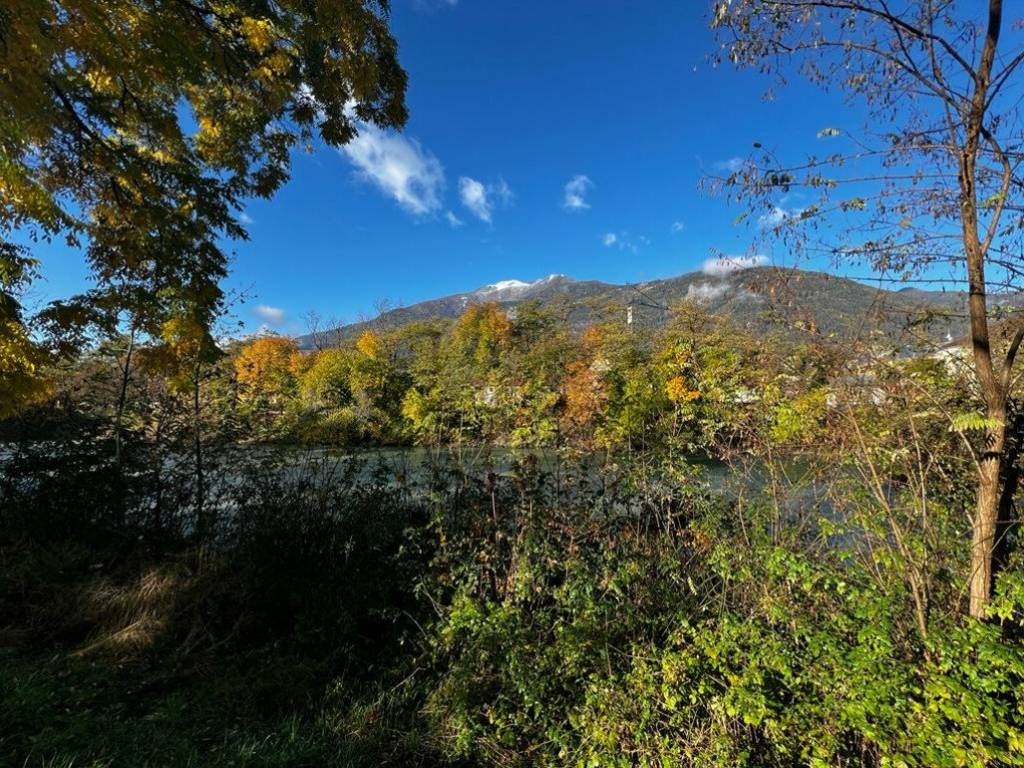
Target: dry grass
{"points": [[131, 618], [125, 613]]}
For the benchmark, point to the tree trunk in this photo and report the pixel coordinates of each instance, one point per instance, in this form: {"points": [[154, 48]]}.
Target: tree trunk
{"points": [[992, 386], [202, 523], [983, 530], [123, 396]]}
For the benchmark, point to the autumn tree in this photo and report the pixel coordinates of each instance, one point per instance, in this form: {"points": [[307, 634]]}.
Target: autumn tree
{"points": [[266, 367], [457, 384], [482, 333], [929, 189], [376, 383], [539, 349], [584, 397], [704, 363], [370, 365], [137, 130], [325, 383]]}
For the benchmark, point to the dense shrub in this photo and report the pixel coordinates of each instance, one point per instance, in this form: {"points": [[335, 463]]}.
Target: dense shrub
{"points": [[578, 590], [651, 638]]}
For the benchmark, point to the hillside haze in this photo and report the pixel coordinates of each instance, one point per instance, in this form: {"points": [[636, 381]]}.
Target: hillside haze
{"points": [[757, 298]]}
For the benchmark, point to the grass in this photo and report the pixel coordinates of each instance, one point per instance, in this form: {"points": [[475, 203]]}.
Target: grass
{"points": [[251, 657], [66, 711]]}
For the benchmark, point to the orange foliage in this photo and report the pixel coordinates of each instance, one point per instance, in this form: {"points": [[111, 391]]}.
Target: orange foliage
{"points": [[299, 363], [584, 395], [591, 338], [266, 365], [679, 392]]}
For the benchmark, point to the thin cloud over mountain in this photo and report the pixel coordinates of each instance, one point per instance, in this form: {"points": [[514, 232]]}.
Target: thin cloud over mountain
{"points": [[724, 265]]}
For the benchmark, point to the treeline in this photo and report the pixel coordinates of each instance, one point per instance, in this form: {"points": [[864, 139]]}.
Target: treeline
{"points": [[530, 379]]}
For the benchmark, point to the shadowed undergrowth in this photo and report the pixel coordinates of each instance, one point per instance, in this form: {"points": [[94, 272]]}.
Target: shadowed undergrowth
{"points": [[345, 615]]}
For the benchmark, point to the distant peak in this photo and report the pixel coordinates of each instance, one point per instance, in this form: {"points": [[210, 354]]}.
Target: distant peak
{"points": [[509, 289], [505, 285]]}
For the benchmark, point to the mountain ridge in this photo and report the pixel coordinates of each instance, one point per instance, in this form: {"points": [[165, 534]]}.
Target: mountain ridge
{"points": [[756, 297]]}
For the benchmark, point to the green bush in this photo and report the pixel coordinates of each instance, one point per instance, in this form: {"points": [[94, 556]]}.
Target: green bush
{"points": [[641, 638]]}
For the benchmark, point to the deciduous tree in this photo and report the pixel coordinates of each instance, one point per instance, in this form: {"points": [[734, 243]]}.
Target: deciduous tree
{"points": [[266, 366], [932, 183], [137, 130]]}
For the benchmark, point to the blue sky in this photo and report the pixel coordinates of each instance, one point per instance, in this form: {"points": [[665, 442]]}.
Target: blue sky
{"points": [[509, 103]]}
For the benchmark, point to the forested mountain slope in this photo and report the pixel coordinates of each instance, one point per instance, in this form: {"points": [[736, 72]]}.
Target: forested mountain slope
{"points": [[758, 298]]}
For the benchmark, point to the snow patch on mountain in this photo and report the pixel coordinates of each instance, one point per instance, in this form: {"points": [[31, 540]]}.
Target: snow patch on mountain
{"points": [[513, 289], [504, 285]]}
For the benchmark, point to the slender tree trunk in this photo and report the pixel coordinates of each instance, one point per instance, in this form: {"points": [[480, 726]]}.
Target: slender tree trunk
{"points": [[993, 389], [158, 471], [990, 463], [983, 530], [123, 396], [202, 524]]}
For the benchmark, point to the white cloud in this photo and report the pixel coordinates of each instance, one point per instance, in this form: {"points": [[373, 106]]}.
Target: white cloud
{"points": [[454, 220], [705, 292], [270, 315], [575, 193], [777, 216], [725, 265], [245, 218], [731, 165], [481, 199], [678, 226], [610, 239], [474, 196], [399, 167]]}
